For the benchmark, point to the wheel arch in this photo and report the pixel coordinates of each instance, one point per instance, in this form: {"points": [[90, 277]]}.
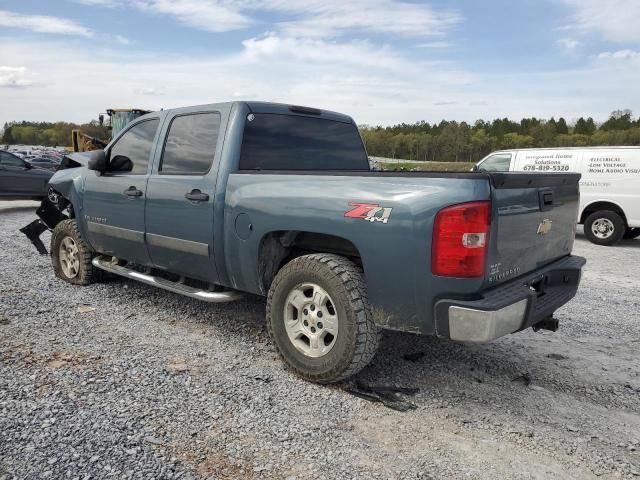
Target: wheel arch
{"points": [[598, 205], [276, 248]]}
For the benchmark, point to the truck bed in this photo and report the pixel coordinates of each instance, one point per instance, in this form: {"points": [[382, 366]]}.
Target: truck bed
{"points": [[396, 254]]}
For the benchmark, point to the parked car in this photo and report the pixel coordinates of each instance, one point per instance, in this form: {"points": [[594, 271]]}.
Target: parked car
{"points": [[19, 180], [44, 162], [286, 207], [610, 185]]}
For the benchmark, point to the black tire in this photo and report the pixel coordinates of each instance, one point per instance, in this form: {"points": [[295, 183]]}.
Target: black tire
{"points": [[612, 219], [357, 339], [631, 233], [86, 273]]}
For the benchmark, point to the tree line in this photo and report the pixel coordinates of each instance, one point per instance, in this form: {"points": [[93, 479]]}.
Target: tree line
{"points": [[51, 134], [444, 141], [462, 142]]}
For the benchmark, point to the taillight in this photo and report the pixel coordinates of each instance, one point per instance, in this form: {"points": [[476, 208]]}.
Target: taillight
{"points": [[461, 239]]}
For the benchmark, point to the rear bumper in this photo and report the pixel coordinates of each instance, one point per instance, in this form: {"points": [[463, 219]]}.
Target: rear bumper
{"points": [[511, 306]]}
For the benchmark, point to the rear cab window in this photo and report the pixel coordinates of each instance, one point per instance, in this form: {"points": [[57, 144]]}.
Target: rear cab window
{"points": [[296, 142]]}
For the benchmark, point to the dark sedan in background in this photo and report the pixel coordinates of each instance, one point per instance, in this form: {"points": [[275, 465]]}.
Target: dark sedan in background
{"points": [[20, 180], [44, 162]]}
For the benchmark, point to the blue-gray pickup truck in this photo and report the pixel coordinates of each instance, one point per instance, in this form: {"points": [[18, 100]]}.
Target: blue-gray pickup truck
{"points": [[219, 200]]}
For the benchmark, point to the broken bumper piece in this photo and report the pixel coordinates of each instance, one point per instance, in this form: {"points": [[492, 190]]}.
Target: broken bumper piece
{"points": [[50, 215], [33, 232]]}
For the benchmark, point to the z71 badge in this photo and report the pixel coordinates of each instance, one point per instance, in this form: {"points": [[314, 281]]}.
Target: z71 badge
{"points": [[371, 212]]}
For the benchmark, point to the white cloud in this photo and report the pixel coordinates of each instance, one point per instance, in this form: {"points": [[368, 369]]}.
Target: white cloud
{"points": [[615, 20], [14, 77], [122, 40], [569, 43], [625, 54], [43, 24], [326, 18], [205, 15], [434, 45], [274, 48], [152, 91], [208, 15], [308, 18]]}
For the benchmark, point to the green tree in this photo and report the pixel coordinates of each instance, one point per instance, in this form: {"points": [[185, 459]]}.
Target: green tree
{"points": [[585, 127], [618, 120], [561, 127]]}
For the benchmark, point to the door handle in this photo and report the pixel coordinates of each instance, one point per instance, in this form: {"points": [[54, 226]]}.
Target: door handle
{"points": [[197, 196], [133, 192], [545, 197]]}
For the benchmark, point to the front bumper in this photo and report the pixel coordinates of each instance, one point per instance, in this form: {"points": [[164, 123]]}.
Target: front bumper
{"points": [[511, 306]]}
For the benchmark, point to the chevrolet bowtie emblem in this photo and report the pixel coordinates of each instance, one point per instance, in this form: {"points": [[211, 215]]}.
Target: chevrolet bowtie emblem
{"points": [[544, 227]]}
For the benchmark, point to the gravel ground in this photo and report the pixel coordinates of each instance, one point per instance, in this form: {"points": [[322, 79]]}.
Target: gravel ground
{"points": [[119, 380]]}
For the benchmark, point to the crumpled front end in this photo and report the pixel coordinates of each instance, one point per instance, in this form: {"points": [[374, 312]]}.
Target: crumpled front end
{"points": [[58, 205]]}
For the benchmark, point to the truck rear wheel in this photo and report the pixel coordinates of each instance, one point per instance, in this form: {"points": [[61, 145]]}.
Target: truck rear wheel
{"points": [[319, 318], [604, 227], [70, 256]]}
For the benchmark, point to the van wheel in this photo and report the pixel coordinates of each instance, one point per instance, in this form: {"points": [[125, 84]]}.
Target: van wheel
{"points": [[319, 318], [631, 233], [604, 227], [70, 256]]}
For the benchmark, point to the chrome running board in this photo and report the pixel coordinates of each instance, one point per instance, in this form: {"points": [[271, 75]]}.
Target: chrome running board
{"points": [[104, 263]]}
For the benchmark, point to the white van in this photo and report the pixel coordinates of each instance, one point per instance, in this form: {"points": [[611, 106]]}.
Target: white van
{"points": [[609, 188]]}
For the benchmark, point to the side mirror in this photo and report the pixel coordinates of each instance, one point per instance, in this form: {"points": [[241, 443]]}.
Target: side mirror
{"points": [[98, 161], [475, 168], [27, 166]]}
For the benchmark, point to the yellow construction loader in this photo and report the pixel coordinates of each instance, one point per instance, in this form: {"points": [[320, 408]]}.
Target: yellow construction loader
{"points": [[118, 119]]}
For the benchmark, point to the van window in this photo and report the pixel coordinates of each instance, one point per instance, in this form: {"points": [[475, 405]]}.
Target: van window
{"points": [[191, 144], [295, 142], [499, 162]]}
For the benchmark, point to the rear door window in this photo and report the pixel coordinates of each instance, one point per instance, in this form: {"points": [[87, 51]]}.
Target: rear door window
{"points": [[294, 142], [499, 162], [191, 144]]}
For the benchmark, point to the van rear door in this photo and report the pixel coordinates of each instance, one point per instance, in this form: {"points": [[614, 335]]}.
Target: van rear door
{"points": [[533, 221]]}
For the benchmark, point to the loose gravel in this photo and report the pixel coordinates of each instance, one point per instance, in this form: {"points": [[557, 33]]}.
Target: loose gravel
{"points": [[120, 380]]}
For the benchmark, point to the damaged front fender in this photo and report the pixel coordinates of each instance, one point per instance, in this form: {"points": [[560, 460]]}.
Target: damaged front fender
{"points": [[58, 205]]}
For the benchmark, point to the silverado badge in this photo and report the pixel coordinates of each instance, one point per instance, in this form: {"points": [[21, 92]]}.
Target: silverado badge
{"points": [[544, 227]]}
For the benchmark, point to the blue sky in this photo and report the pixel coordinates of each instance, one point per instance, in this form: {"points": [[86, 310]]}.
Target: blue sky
{"points": [[382, 61]]}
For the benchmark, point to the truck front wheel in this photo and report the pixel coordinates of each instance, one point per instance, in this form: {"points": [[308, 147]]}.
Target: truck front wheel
{"points": [[604, 227], [70, 256], [319, 318]]}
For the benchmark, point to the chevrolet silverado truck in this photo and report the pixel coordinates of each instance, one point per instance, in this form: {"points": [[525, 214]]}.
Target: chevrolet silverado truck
{"points": [[219, 200]]}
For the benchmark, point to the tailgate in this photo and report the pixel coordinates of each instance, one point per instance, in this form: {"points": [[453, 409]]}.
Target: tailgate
{"points": [[534, 221]]}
